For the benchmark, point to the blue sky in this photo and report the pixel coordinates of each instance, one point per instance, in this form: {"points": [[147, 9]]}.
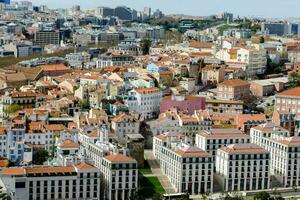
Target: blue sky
{"points": [[262, 8]]}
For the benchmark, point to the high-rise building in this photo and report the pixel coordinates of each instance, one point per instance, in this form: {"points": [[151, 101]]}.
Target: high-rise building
{"points": [[5, 1], [280, 28], [147, 12], [125, 13], [104, 11], [43, 38]]}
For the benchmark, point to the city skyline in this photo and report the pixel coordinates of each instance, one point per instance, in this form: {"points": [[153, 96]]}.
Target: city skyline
{"points": [[267, 8]]}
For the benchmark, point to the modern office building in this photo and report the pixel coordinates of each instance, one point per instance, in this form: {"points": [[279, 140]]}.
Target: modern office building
{"points": [[280, 28], [125, 13], [105, 11], [43, 38], [5, 1]]}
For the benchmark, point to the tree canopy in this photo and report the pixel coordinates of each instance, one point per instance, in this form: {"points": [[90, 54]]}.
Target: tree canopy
{"points": [[12, 108], [39, 156], [294, 79], [146, 44]]}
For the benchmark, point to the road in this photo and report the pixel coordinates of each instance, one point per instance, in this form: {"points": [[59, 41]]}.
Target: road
{"points": [[154, 165]]}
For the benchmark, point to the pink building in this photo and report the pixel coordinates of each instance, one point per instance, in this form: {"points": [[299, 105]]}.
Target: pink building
{"points": [[182, 103]]}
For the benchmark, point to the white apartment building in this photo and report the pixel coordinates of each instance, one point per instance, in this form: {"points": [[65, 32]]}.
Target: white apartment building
{"points": [[120, 176], [211, 141], [285, 159], [284, 150], [268, 130], [124, 124], [114, 60], [145, 101], [110, 159], [47, 182], [243, 167], [188, 168], [254, 58], [67, 153]]}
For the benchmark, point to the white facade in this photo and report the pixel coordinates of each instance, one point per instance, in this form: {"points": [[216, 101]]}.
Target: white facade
{"points": [[46, 182], [284, 152], [120, 175], [211, 141], [188, 168], [243, 167], [145, 101]]}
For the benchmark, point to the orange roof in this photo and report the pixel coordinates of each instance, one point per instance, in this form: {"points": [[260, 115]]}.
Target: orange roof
{"points": [[243, 118], [292, 141], [22, 94], [223, 135], [55, 67], [269, 127], [116, 158], [235, 83], [200, 54], [200, 45], [147, 90], [191, 152], [49, 169], [69, 144], [54, 127], [13, 171], [85, 166], [2, 130], [4, 162], [294, 92], [246, 148]]}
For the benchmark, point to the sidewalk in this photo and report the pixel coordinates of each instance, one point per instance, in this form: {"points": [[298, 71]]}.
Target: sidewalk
{"points": [[154, 165]]}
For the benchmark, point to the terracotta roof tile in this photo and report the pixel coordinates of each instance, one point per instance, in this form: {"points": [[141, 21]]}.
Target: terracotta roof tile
{"points": [[117, 158]]}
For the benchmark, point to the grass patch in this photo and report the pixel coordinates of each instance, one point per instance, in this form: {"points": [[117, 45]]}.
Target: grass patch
{"points": [[150, 186], [146, 169]]}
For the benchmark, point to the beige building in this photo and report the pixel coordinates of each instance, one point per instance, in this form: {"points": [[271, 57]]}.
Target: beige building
{"points": [[288, 100], [224, 106], [213, 74], [235, 89]]}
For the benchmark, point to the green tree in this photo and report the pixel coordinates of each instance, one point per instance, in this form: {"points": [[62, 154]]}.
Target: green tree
{"points": [[185, 197], [262, 196], [157, 196], [135, 195], [261, 40], [146, 44], [84, 104], [12, 108], [294, 80], [39, 156]]}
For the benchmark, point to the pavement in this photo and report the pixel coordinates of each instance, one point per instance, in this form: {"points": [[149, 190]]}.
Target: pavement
{"points": [[156, 171]]}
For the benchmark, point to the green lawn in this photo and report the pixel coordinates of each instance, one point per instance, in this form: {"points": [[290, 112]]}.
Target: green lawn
{"points": [[146, 169], [149, 186]]}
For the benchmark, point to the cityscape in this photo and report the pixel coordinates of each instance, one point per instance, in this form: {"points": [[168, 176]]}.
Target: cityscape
{"points": [[100, 101]]}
